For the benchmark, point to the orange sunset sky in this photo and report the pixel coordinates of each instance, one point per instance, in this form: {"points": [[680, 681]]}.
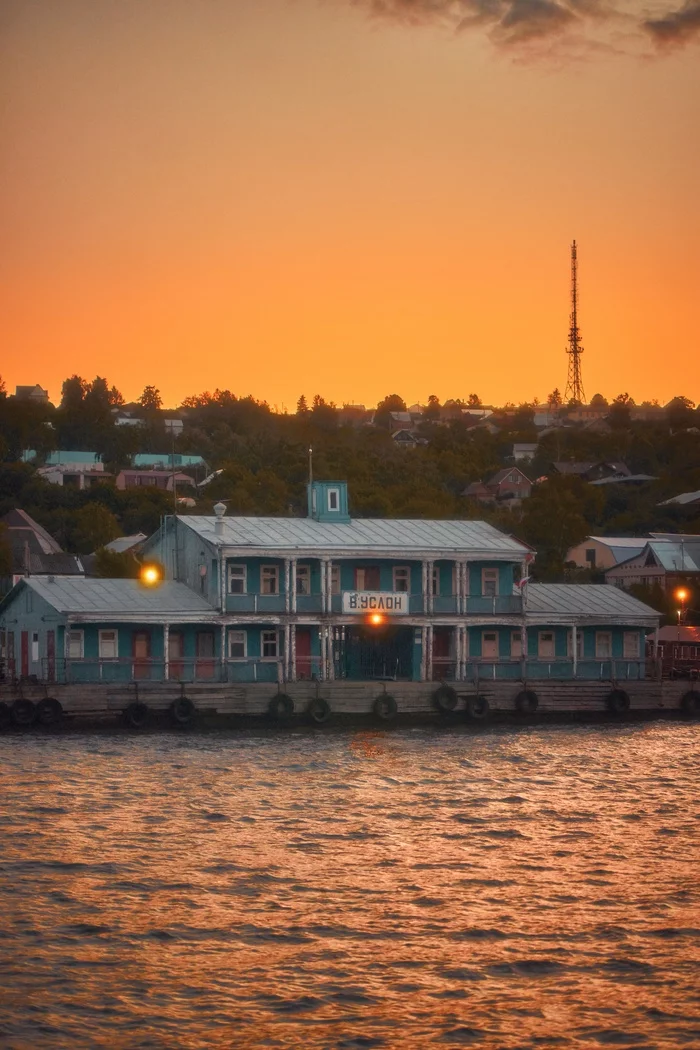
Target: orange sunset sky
{"points": [[349, 197]]}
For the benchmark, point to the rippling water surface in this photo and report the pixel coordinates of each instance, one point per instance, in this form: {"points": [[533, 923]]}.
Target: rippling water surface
{"points": [[507, 888]]}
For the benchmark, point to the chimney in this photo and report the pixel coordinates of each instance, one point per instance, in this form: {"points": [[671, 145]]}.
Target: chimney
{"points": [[219, 510]]}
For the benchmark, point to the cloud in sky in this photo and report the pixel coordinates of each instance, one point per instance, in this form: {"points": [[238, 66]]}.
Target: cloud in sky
{"points": [[510, 23]]}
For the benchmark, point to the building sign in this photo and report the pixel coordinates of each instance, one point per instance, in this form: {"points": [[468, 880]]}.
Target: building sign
{"points": [[394, 603]]}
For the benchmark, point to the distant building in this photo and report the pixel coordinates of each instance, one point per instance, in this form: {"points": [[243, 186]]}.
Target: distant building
{"points": [[159, 479], [35, 393], [602, 552], [684, 499], [524, 450], [625, 479], [509, 484], [406, 439], [668, 562], [591, 471], [165, 461], [34, 551], [77, 476]]}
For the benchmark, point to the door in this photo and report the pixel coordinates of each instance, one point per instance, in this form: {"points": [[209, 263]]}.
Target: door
{"points": [[24, 654], [51, 656], [205, 663], [303, 650], [443, 663], [545, 645], [367, 578], [141, 653], [489, 645], [176, 654]]}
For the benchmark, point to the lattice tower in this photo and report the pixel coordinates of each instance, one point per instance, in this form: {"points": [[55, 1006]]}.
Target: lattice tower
{"points": [[574, 381]]}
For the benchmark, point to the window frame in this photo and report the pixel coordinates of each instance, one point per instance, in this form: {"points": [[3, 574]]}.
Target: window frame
{"points": [[402, 572], [100, 638], [335, 578], [266, 641], [269, 571], [570, 644], [302, 573], [70, 632], [490, 575], [333, 496], [599, 636], [629, 636], [242, 576], [233, 639], [34, 647]]}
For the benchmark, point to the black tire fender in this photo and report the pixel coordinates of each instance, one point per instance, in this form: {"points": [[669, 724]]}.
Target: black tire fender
{"points": [[526, 702], [136, 714], [281, 706], [319, 710], [385, 707], [690, 702], [23, 713], [617, 701], [49, 711], [5, 716], [183, 711], [445, 698], [477, 708]]}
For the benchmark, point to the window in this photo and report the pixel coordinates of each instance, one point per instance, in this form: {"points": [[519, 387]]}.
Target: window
{"points": [[489, 645], [75, 647], [630, 645], [335, 579], [237, 645], [333, 499], [303, 579], [545, 645], [269, 579], [435, 581], [269, 645], [489, 582], [402, 578], [590, 556], [237, 579], [516, 644], [108, 645], [570, 644], [603, 645], [35, 648], [367, 579]]}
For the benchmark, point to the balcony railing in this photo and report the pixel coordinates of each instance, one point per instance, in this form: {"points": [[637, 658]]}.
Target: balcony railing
{"points": [[200, 669], [442, 604]]}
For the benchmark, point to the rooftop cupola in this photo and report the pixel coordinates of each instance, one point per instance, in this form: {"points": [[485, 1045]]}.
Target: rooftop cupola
{"points": [[219, 510], [328, 501]]}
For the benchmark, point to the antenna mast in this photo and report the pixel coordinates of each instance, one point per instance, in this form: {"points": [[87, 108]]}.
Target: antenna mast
{"points": [[574, 381]]}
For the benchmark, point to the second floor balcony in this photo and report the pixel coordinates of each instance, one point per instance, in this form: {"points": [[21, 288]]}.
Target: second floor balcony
{"points": [[418, 604]]}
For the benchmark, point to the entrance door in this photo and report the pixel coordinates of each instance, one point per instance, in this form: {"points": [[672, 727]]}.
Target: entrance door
{"points": [[545, 645], [176, 654], [367, 578], [303, 650], [489, 645], [24, 654], [205, 663], [141, 653], [51, 655], [443, 663]]}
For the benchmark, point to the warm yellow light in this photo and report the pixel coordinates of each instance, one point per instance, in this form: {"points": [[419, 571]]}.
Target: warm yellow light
{"points": [[376, 619], [681, 594], [150, 575]]}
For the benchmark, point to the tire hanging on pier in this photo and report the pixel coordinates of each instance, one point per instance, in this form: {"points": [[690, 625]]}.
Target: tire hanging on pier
{"points": [[136, 715], [526, 702], [617, 702], [690, 703], [477, 708], [385, 707], [49, 711], [445, 699], [182, 711], [5, 716], [281, 707], [319, 710], [23, 713]]}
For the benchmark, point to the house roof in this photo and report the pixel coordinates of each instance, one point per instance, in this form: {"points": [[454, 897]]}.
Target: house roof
{"points": [[586, 600], [501, 475], [672, 555], [621, 479], [18, 521], [684, 634], [125, 543], [682, 499], [621, 547], [359, 534], [92, 598]]}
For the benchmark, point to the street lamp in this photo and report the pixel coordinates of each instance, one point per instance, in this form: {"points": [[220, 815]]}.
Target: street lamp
{"points": [[682, 596]]}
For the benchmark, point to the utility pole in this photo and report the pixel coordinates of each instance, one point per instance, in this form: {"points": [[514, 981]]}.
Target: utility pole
{"points": [[574, 381]]}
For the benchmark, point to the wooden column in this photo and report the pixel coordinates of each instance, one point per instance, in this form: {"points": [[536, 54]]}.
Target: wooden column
{"points": [[424, 581], [465, 592], [287, 585], [293, 586], [287, 651], [429, 655], [574, 648], [222, 656], [423, 653], [166, 654], [293, 652]]}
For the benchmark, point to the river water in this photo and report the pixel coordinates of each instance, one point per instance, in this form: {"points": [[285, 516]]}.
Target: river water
{"points": [[508, 887]]}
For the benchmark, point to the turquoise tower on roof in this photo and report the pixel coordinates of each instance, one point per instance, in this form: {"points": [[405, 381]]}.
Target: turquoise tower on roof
{"points": [[328, 501]]}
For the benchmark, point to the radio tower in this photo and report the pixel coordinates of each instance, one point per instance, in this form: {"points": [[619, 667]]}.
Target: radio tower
{"points": [[574, 382]]}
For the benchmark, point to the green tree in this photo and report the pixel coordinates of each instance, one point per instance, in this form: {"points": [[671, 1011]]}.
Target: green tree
{"points": [[302, 407], [555, 400], [474, 401], [116, 565], [391, 403], [150, 400], [92, 527], [431, 412]]}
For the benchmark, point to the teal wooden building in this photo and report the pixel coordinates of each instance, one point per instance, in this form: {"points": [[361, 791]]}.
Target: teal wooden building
{"points": [[325, 597]]}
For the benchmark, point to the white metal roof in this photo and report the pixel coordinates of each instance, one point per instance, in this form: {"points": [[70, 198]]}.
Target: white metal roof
{"points": [[121, 599], [360, 534], [586, 600]]}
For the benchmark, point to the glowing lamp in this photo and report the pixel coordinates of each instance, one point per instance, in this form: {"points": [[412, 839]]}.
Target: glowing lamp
{"points": [[376, 619], [150, 575], [681, 594]]}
